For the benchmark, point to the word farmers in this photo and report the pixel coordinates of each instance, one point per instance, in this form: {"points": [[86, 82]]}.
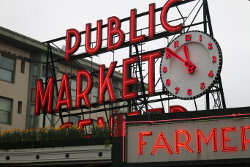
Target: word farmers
{"points": [[189, 142]]}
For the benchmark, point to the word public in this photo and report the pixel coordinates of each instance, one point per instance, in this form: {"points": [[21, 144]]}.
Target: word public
{"points": [[44, 97], [114, 29]]}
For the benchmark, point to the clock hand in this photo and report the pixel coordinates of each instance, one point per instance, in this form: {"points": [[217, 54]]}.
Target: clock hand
{"points": [[174, 54], [185, 49], [191, 67], [188, 64]]}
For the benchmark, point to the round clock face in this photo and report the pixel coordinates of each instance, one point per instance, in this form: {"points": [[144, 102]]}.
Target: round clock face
{"points": [[190, 65]]}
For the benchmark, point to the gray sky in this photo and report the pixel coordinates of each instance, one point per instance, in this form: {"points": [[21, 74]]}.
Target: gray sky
{"points": [[49, 19]]}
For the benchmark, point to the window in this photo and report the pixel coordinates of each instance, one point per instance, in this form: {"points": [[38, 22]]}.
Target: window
{"points": [[19, 108], [94, 95], [74, 119], [32, 117], [7, 67], [44, 73], [5, 110], [37, 121], [22, 66], [48, 120], [73, 90]]}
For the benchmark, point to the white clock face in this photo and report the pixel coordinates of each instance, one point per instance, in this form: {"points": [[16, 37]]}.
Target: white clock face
{"points": [[190, 65]]}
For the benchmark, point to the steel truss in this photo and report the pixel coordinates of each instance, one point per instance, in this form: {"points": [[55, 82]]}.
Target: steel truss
{"points": [[199, 18]]}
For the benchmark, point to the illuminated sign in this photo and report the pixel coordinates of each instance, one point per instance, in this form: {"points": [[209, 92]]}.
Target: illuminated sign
{"points": [[44, 95], [187, 139], [115, 29]]}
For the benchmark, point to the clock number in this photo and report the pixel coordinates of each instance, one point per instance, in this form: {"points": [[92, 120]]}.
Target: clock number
{"points": [[188, 37], [167, 55], [200, 38], [214, 59], [189, 92], [210, 46], [177, 90], [211, 74], [165, 69], [168, 82], [202, 85], [176, 44]]}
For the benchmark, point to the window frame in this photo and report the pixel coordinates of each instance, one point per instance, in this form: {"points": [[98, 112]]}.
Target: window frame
{"points": [[93, 96], [72, 91], [70, 119], [14, 69], [10, 112], [22, 67], [19, 107]]}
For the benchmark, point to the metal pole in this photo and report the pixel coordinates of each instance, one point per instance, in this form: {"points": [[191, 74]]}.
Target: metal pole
{"points": [[141, 76], [46, 80], [54, 76], [130, 74], [207, 16]]}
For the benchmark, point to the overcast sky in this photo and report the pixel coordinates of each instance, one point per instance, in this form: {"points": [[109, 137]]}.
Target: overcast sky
{"points": [[49, 19]]}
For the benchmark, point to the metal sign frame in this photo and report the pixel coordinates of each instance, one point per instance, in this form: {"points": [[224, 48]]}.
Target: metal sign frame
{"points": [[143, 101]]}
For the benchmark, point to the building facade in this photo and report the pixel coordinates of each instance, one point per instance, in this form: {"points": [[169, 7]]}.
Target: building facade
{"points": [[22, 62]]}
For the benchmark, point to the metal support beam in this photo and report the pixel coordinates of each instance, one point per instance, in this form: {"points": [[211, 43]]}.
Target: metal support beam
{"points": [[141, 76], [143, 101]]}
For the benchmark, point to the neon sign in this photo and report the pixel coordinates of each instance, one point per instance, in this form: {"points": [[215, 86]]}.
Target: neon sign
{"points": [[187, 140], [115, 29], [161, 141], [44, 96]]}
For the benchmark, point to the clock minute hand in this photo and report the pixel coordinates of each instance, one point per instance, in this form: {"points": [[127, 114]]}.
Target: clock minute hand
{"points": [[188, 64], [172, 53]]}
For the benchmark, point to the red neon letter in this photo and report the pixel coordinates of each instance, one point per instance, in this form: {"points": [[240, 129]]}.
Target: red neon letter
{"points": [[225, 139], [105, 83], [200, 136], [151, 31], [151, 70], [159, 110], [134, 113], [66, 125], [165, 144], [164, 22], [98, 45], [141, 142], [68, 49], [83, 95], [111, 125], [133, 32], [101, 122], [85, 122], [244, 141], [114, 28], [44, 97], [126, 81], [64, 87], [177, 108], [178, 144]]}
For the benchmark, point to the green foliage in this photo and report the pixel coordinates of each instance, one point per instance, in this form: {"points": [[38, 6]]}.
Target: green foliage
{"points": [[100, 132], [54, 135]]}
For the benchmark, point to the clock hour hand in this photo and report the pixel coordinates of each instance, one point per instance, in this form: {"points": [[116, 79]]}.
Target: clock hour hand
{"points": [[188, 64]]}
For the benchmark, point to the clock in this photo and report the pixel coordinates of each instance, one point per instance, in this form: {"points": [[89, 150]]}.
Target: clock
{"points": [[190, 65]]}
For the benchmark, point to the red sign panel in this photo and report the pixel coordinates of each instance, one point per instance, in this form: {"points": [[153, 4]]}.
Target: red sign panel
{"points": [[188, 140]]}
